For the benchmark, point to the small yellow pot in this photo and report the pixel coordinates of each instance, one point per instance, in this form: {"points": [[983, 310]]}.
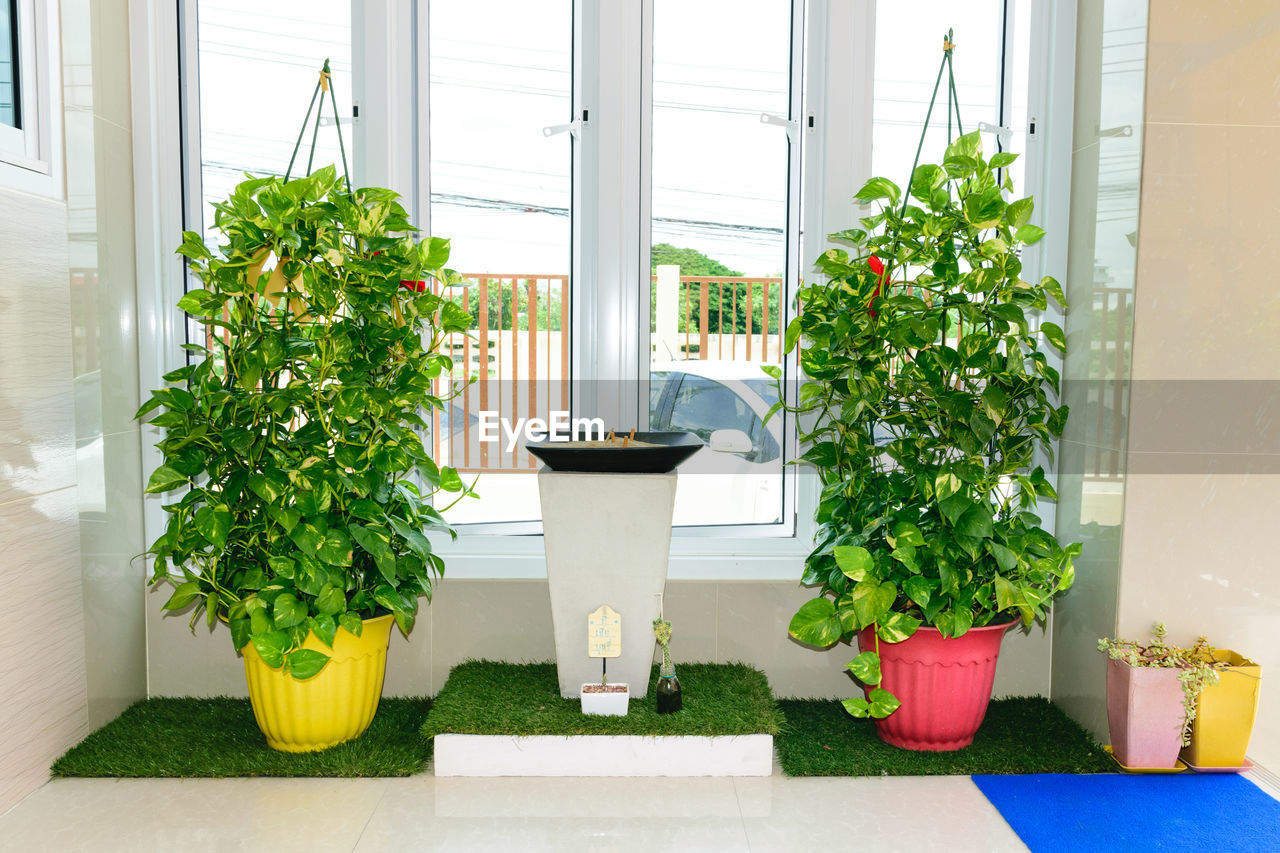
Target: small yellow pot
{"points": [[1224, 718], [334, 706]]}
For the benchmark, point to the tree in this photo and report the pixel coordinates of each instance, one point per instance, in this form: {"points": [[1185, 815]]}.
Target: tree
{"points": [[695, 263]]}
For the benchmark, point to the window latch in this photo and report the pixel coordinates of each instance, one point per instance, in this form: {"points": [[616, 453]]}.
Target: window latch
{"points": [[1004, 134], [792, 126], [573, 128]]}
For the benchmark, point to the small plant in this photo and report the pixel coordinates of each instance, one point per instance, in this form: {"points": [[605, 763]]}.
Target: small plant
{"points": [[1196, 667], [662, 632]]}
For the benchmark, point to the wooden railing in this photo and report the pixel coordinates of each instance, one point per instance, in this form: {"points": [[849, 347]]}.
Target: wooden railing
{"points": [[731, 317]]}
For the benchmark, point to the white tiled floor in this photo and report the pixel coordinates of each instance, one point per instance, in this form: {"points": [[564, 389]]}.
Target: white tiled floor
{"points": [[509, 815]]}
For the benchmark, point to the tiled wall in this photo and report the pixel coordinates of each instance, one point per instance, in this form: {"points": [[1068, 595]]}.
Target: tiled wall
{"points": [[1204, 438], [73, 653], [511, 620], [42, 664]]}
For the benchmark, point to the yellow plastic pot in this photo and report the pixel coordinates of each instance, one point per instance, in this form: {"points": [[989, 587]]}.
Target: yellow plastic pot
{"points": [[1224, 718], [334, 706]]}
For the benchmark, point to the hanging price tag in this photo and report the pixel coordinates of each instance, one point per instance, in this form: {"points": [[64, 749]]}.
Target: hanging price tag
{"points": [[604, 633]]}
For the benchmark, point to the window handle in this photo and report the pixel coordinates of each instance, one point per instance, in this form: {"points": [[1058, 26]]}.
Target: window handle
{"points": [[792, 126], [1004, 134], [573, 128]]}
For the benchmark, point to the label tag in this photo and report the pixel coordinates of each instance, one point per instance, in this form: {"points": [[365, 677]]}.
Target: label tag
{"points": [[604, 633]]}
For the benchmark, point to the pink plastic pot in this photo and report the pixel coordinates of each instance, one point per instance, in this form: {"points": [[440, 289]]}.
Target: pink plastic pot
{"points": [[943, 683], [1144, 714]]}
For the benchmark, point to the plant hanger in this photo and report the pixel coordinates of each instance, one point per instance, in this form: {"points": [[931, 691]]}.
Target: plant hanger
{"points": [[325, 84]]}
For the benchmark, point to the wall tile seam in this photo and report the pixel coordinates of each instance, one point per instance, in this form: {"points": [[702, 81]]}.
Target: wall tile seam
{"points": [[33, 495]]}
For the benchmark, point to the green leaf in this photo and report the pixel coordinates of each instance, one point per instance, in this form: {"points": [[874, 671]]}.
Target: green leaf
{"points": [[214, 523], [164, 479], [883, 703], [1029, 234], [919, 589], [1018, 213], [946, 484], [816, 623], [331, 601], [1054, 334], [878, 188], [866, 667], [351, 623], [976, 522], [324, 627], [1002, 158], [1005, 559], [240, 630], [305, 663], [183, 595], [336, 550], [857, 707], [1054, 289], [853, 560], [906, 533], [288, 611], [871, 599], [1006, 594], [270, 647], [896, 627]]}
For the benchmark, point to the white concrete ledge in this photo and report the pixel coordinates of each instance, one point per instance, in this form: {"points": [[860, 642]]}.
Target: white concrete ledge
{"points": [[602, 755]]}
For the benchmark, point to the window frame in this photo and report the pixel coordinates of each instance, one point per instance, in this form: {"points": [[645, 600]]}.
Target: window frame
{"points": [[833, 83], [31, 156]]}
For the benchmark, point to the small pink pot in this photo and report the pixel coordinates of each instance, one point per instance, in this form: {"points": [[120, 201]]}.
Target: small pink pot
{"points": [[1144, 714], [943, 683]]}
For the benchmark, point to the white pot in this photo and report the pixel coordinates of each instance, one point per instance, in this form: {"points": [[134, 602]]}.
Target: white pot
{"points": [[605, 704]]}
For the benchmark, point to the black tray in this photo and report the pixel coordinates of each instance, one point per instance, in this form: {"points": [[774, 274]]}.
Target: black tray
{"points": [[673, 448]]}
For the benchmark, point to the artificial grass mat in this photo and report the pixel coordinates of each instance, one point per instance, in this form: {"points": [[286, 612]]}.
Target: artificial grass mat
{"points": [[218, 738], [1022, 735], [493, 698]]}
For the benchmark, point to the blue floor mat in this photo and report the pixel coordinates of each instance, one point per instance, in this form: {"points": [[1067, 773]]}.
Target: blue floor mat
{"points": [[1131, 813]]}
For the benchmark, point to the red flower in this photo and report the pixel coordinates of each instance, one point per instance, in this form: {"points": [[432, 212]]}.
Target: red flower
{"points": [[877, 267], [416, 286]]}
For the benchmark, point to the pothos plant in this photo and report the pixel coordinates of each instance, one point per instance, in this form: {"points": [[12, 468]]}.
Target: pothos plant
{"points": [[1196, 666], [928, 397], [292, 434]]}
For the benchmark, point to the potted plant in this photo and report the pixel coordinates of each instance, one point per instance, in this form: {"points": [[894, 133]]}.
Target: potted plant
{"points": [[302, 488], [1225, 710], [605, 699], [928, 395], [1152, 696]]}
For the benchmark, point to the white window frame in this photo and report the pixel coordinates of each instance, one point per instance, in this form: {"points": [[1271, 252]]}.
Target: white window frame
{"points": [[834, 87], [31, 156]]}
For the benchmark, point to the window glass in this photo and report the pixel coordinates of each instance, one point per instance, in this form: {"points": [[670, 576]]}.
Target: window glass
{"points": [[259, 63], [906, 66], [10, 106], [501, 71], [719, 239]]}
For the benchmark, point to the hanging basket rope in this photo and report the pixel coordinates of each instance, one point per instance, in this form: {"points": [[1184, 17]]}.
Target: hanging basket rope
{"points": [[323, 84]]}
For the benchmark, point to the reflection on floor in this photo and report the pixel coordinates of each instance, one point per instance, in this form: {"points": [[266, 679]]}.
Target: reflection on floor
{"points": [[507, 815], [512, 815]]}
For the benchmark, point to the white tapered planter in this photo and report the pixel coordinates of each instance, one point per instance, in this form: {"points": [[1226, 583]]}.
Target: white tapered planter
{"points": [[607, 540]]}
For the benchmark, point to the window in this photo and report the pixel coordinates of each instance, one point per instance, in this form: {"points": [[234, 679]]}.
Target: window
{"points": [[257, 67], [622, 186], [10, 90], [499, 189], [29, 120]]}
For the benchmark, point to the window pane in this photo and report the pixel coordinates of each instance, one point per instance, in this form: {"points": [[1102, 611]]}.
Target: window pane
{"points": [[501, 70], [907, 59], [10, 112], [719, 246], [259, 63]]}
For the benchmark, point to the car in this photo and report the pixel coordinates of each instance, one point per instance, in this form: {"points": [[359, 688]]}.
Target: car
{"points": [[737, 478]]}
